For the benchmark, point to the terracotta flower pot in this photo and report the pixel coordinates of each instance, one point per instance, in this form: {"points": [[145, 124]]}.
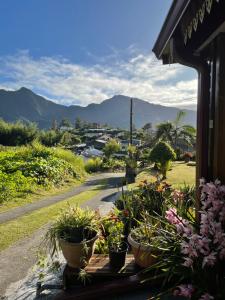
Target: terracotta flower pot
{"points": [[76, 254], [142, 254]]}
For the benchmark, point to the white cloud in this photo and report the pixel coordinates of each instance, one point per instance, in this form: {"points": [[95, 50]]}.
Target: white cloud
{"points": [[139, 76]]}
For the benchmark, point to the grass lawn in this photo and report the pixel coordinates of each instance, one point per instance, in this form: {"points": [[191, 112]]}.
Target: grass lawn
{"points": [[12, 231], [38, 195], [179, 175]]}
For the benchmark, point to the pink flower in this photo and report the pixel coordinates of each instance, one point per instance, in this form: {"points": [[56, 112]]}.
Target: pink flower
{"points": [[177, 196], [185, 290], [171, 216], [188, 249], [206, 296], [209, 260], [188, 262], [201, 182]]}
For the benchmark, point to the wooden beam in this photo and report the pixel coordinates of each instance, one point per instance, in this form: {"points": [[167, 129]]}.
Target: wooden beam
{"points": [[104, 290], [219, 122]]}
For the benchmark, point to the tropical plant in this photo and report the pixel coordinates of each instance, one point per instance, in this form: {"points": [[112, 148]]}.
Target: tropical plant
{"points": [[192, 255], [93, 165], [111, 147], [115, 237], [74, 224], [149, 197], [177, 134], [162, 154]]}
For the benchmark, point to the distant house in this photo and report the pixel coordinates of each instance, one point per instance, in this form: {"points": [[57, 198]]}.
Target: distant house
{"points": [[66, 128], [126, 143], [100, 144], [92, 152]]}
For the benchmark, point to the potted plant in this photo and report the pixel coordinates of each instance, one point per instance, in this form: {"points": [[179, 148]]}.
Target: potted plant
{"points": [[117, 247], [75, 233], [142, 240]]}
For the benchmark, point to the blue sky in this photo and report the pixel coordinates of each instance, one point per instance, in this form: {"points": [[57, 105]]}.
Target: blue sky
{"points": [[83, 51]]}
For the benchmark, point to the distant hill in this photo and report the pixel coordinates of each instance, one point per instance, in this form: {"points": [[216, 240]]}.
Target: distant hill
{"points": [[25, 105]]}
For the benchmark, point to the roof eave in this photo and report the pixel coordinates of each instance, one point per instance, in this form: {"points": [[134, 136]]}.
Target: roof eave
{"points": [[174, 15]]}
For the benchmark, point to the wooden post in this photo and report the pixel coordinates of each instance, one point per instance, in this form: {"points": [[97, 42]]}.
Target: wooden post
{"points": [[203, 104], [219, 123]]}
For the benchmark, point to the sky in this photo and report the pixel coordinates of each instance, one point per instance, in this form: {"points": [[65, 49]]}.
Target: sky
{"points": [[85, 51]]}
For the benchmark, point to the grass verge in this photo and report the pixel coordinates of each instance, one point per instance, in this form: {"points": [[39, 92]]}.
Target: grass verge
{"points": [[12, 231], [180, 174], [38, 195]]}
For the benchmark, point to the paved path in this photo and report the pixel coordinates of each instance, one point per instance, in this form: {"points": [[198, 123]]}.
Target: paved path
{"points": [[114, 179], [16, 260]]}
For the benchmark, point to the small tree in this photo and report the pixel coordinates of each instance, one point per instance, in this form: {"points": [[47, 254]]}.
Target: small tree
{"points": [[111, 147], [162, 154]]}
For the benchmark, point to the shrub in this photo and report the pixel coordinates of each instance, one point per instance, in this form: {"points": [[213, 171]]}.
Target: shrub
{"points": [[111, 147], [23, 169], [113, 164], [187, 156], [93, 165], [162, 154], [50, 138], [16, 134]]}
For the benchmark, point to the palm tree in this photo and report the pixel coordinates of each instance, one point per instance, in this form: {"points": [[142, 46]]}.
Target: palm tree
{"points": [[175, 133]]}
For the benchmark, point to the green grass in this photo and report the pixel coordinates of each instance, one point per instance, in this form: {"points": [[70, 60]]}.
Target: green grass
{"points": [[38, 195], [179, 175], [12, 231]]}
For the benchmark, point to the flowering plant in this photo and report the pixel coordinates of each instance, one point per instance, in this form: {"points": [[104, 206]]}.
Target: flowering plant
{"points": [[194, 252]]}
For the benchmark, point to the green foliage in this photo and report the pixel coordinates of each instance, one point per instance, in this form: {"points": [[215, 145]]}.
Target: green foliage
{"points": [[116, 236], [162, 154], [25, 168], [149, 196], [12, 185], [93, 165], [16, 134], [113, 164], [65, 123], [72, 223], [50, 138], [111, 147], [178, 135]]}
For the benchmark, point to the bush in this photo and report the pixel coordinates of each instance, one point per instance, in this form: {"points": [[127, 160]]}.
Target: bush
{"points": [[23, 169], [162, 154], [111, 147], [50, 138], [93, 165], [113, 164], [17, 134]]}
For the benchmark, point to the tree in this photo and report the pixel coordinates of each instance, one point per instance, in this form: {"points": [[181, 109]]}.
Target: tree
{"points": [[50, 138], [147, 126], [65, 123], [78, 123], [162, 154], [178, 135], [54, 125], [111, 147]]}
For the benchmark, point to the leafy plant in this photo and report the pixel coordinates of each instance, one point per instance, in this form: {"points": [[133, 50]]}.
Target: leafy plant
{"points": [[162, 154], [93, 165], [26, 168], [115, 237], [111, 147], [193, 257], [74, 224]]}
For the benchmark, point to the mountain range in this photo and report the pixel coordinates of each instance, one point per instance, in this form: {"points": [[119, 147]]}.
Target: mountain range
{"points": [[23, 104]]}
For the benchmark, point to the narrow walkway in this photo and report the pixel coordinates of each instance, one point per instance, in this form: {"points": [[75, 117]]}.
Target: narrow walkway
{"points": [[18, 259], [114, 179]]}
